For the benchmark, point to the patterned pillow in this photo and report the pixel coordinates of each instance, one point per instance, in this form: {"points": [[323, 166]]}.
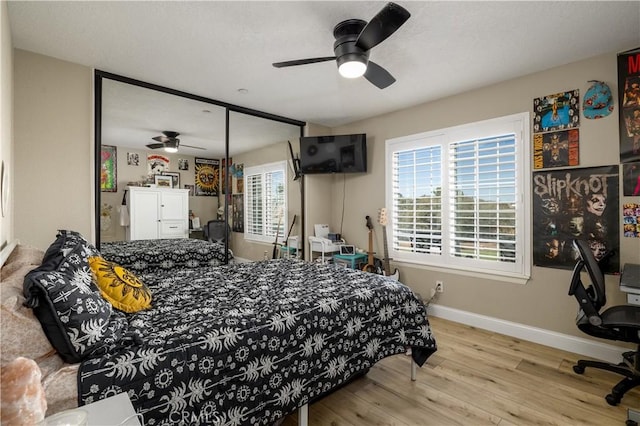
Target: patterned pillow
{"points": [[61, 292], [119, 286]]}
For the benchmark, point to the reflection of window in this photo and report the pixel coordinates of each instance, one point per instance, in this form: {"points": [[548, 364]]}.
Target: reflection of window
{"points": [[459, 197], [265, 202]]}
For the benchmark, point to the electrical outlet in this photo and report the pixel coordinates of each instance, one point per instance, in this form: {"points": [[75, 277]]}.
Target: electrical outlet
{"points": [[439, 286]]}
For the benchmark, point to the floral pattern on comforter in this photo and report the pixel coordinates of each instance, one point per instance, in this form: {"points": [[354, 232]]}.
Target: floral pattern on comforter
{"points": [[248, 343], [145, 256]]}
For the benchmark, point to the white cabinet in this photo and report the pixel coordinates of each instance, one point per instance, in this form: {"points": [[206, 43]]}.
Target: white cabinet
{"points": [[157, 213]]}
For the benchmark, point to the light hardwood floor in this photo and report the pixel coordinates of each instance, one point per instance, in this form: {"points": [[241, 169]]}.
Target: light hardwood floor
{"points": [[476, 377]]}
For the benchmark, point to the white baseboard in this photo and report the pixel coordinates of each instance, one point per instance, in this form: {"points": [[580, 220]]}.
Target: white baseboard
{"points": [[241, 260], [586, 347]]}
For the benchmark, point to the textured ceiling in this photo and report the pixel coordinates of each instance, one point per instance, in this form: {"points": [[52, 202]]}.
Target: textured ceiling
{"points": [[213, 49]]}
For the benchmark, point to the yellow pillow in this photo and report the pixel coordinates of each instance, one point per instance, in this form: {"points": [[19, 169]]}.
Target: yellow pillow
{"points": [[120, 287]]}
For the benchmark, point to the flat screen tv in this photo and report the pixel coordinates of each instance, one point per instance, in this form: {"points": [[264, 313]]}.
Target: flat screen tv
{"points": [[333, 154]]}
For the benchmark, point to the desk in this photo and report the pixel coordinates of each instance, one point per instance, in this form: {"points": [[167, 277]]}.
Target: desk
{"points": [[351, 260], [630, 283]]}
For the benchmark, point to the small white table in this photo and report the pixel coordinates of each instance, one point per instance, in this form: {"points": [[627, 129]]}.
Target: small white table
{"points": [[112, 411]]}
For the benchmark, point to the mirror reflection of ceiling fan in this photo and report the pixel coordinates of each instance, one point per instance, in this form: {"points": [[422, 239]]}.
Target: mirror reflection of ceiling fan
{"points": [[169, 141]]}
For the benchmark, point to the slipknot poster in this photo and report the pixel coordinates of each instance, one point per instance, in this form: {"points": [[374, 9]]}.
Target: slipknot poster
{"points": [[629, 99], [573, 204]]}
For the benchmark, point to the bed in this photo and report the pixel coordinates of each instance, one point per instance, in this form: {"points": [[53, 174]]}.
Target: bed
{"points": [[144, 256], [249, 343]]}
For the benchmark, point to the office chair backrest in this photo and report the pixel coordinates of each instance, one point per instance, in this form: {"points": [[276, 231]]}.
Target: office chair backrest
{"points": [[593, 297], [217, 231]]}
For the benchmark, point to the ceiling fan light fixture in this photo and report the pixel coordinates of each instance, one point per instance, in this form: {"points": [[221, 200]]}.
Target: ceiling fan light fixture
{"points": [[352, 68], [171, 145]]}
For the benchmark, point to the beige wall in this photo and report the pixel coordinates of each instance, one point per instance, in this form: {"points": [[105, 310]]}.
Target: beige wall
{"points": [[203, 207], [53, 134], [277, 152], [6, 122], [543, 302]]}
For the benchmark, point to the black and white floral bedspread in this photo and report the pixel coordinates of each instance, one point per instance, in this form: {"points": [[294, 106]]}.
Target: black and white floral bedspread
{"points": [[248, 343], [145, 256]]}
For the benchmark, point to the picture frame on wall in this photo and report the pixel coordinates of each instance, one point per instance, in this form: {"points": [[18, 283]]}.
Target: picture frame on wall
{"points": [[163, 181], [108, 168], [175, 178]]}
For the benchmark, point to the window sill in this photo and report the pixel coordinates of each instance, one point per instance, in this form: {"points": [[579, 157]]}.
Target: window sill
{"points": [[476, 273]]}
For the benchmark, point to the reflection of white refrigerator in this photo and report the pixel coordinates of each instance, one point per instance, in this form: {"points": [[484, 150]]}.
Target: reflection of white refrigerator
{"points": [[157, 213]]}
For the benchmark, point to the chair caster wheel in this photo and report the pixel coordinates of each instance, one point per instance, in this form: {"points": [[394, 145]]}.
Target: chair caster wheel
{"points": [[578, 369], [612, 399]]}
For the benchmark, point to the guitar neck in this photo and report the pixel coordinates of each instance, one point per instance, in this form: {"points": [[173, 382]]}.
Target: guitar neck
{"points": [[385, 261], [370, 258]]}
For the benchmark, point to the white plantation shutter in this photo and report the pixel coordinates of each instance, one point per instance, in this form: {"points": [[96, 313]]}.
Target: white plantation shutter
{"points": [[459, 198], [482, 198], [254, 211], [265, 202], [417, 208]]}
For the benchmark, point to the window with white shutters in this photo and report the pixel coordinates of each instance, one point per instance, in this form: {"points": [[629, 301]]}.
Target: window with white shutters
{"points": [[265, 202], [459, 197]]}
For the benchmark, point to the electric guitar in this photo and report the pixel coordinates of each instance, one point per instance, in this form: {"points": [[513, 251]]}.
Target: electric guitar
{"points": [[370, 266], [382, 220]]}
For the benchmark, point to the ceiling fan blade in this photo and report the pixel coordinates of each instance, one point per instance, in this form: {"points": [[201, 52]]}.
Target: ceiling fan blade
{"points": [[381, 26], [155, 145], [303, 61], [162, 139], [378, 76], [191, 146]]}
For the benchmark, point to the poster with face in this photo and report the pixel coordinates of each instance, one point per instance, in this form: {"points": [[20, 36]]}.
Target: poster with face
{"points": [[207, 176], [575, 204], [156, 164]]}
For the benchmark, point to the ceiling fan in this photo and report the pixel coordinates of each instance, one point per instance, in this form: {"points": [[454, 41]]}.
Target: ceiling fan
{"points": [[169, 141], [354, 39]]}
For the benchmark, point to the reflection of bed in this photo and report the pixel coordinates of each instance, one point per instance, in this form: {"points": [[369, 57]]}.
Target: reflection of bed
{"points": [[237, 344], [143, 256]]}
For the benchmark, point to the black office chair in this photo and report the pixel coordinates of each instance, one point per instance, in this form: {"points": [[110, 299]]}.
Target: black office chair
{"points": [[620, 323], [216, 231]]}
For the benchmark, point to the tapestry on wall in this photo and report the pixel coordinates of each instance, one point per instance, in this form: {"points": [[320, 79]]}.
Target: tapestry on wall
{"points": [[238, 213], [573, 204], [207, 176], [629, 99], [108, 168], [556, 149]]}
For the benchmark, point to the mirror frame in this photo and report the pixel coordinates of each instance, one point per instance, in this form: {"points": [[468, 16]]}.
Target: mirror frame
{"points": [[98, 78]]}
